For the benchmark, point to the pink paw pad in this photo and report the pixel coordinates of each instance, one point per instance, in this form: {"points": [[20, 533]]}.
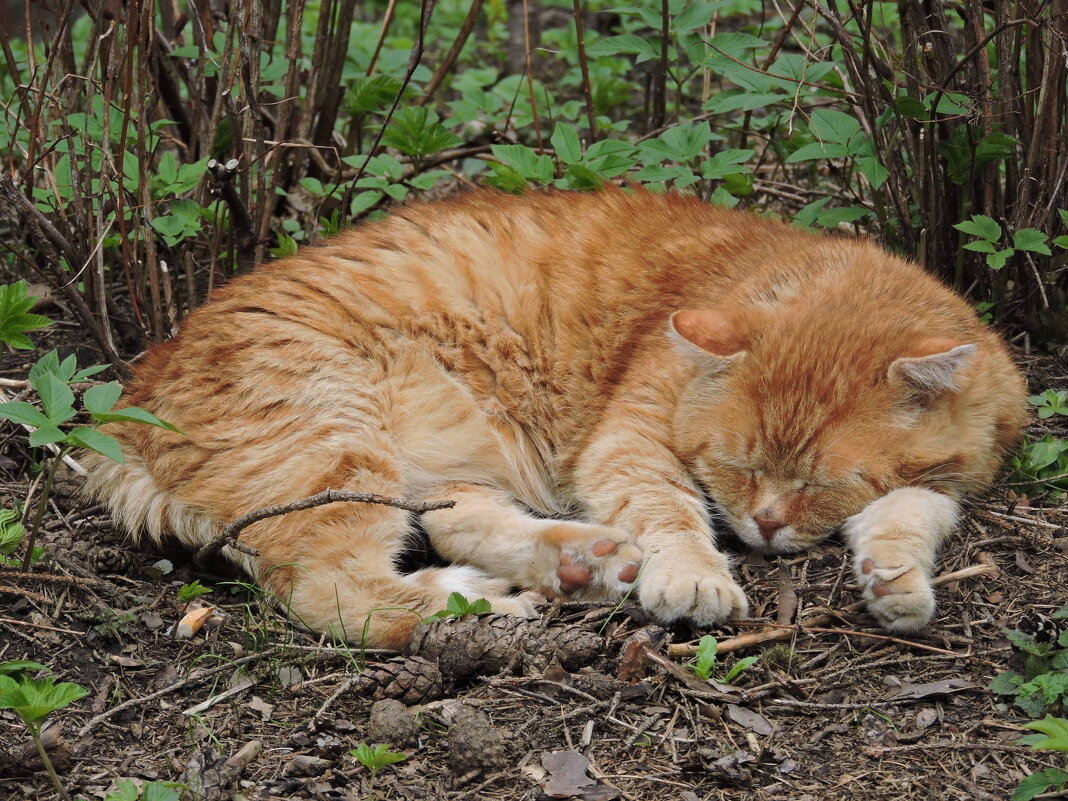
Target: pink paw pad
{"points": [[573, 575]]}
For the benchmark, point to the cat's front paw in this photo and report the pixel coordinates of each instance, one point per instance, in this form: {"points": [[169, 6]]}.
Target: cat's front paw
{"points": [[677, 585], [896, 587]]}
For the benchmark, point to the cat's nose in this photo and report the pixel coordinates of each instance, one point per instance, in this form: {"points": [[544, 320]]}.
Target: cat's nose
{"points": [[768, 522]]}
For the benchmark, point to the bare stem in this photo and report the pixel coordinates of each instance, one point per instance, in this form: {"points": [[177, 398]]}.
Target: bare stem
{"points": [[35, 733], [229, 535]]}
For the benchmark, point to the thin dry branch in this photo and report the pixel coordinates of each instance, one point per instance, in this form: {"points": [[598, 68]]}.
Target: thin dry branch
{"points": [[195, 677], [229, 535], [450, 57], [777, 633]]}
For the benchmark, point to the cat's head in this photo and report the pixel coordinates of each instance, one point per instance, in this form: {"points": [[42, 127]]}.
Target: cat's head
{"points": [[797, 420]]}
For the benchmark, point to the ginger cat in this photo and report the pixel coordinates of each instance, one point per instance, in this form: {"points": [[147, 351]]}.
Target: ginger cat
{"points": [[578, 372]]}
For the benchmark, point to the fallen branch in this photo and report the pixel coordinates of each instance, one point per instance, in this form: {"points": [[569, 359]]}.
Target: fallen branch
{"points": [[781, 633], [806, 628], [229, 535], [193, 678]]}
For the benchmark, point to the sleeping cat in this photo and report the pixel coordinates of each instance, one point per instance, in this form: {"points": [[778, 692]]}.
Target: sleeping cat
{"points": [[579, 372]]}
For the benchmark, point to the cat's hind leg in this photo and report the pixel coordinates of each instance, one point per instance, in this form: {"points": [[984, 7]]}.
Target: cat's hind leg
{"points": [[488, 530], [333, 567]]}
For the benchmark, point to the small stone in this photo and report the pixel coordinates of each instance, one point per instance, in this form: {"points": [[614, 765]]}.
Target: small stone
{"points": [[305, 765], [392, 723]]}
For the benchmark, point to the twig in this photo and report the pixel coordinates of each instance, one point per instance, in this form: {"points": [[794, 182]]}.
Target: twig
{"points": [[229, 535], [387, 20], [221, 187], [581, 36], [779, 633], [530, 74], [416, 56], [230, 692], [660, 89], [342, 688], [454, 52], [50, 578], [804, 628], [193, 678], [1034, 481], [1016, 519]]}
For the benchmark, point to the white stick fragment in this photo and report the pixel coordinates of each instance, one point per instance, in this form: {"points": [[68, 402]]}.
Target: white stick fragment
{"points": [[193, 621]]}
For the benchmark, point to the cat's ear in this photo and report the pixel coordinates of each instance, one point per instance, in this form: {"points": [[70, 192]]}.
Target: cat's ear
{"points": [[931, 368], [717, 335]]}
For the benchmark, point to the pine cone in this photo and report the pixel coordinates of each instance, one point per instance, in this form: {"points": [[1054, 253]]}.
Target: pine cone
{"points": [[462, 647], [494, 644], [573, 647], [108, 559], [474, 745], [411, 680]]}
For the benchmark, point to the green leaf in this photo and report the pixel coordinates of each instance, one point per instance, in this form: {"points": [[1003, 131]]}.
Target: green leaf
{"points": [[35, 699], [725, 163], [159, 791], [506, 178], [721, 197], [56, 397], [739, 666], [23, 413], [46, 435], [581, 177], [187, 592], [1032, 240], [706, 657], [1007, 683], [682, 142], [910, 108], [83, 374], [16, 668], [873, 170], [566, 143], [133, 414], [1022, 640], [480, 606], [375, 93], [98, 441], [416, 131], [627, 44], [833, 126], [981, 245], [15, 303], [102, 397], [997, 260], [11, 535], [610, 157], [1056, 731], [1038, 783], [982, 226], [529, 164], [817, 150], [994, 147]]}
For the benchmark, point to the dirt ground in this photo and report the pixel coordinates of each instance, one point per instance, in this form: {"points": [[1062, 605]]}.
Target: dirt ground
{"points": [[593, 704]]}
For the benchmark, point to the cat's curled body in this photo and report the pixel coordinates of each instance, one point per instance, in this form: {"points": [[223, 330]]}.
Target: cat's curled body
{"points": [[605, 360]]}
